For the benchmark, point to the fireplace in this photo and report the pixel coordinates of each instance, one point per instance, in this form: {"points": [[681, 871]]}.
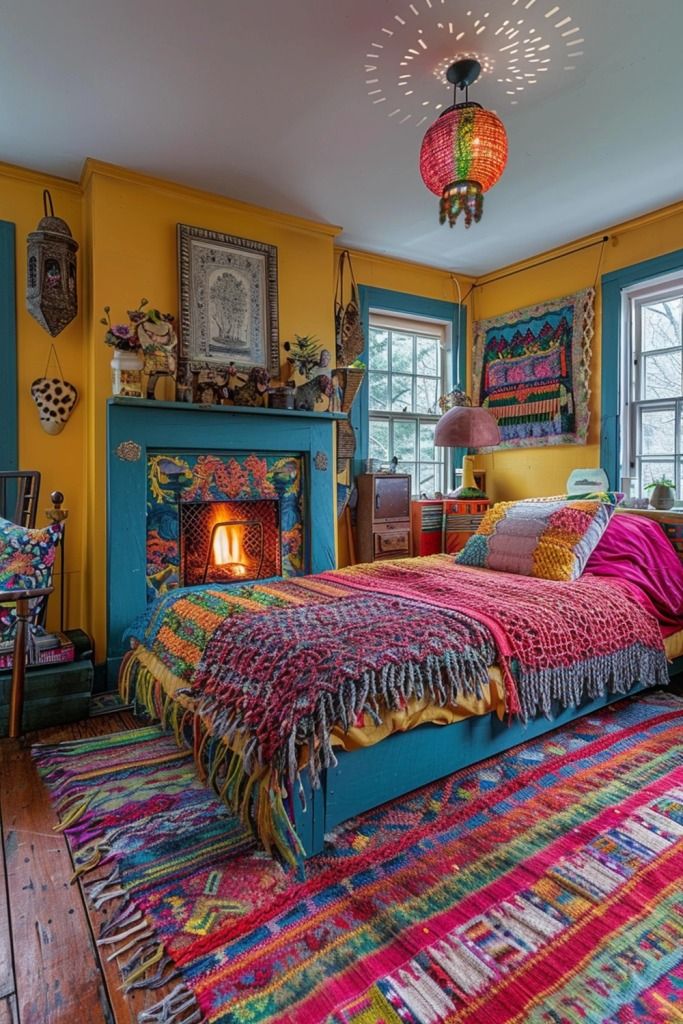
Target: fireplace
{"points": [[166, 455], [226, 541]]}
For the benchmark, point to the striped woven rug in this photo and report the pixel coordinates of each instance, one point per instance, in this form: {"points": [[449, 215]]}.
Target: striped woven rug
{"points": [[541, 886]]}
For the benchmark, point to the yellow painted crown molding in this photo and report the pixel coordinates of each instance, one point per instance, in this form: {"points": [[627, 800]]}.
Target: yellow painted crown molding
{"points": [[27, 174], [394, 261], [93, 167], [568, 248]]}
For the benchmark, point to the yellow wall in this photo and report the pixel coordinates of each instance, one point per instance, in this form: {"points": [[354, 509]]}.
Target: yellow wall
{"points": [[126, 226], [529, 472], [132, 220], [58, 458], [400, 276]]}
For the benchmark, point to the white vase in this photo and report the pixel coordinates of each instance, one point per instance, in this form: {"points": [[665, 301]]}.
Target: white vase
{"points": [[126, 373]]}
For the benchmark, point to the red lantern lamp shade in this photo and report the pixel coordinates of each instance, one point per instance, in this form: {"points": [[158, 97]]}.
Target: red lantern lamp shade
{"points": [[464, 152]]}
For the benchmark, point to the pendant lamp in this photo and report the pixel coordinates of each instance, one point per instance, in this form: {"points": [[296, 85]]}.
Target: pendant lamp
{"points": [[464, 152]]}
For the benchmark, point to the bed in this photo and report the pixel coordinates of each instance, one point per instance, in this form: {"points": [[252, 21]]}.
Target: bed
{"points": [[310, 700]]}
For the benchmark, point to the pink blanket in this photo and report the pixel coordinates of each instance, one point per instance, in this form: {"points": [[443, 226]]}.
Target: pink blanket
{"points": [[635, 551]]}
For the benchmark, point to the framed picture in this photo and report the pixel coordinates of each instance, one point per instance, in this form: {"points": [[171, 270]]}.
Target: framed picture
{"points": [[228, 308]]}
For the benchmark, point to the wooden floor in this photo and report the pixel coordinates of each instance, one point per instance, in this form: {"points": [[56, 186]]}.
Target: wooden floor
{"points": [[51, 970]]}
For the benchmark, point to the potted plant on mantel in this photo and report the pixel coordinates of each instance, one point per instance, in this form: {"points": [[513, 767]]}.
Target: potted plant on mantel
{"points": [[662, 493]]}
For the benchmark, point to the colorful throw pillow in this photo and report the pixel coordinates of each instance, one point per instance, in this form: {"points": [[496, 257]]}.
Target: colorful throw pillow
{"points": [[548, 539], [27, 556]]}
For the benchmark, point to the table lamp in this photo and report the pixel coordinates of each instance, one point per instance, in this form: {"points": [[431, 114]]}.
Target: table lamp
{"points": [[467, 426]]}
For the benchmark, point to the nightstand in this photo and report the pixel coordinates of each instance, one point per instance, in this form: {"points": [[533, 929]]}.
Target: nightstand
{"points": [[463, 516]]}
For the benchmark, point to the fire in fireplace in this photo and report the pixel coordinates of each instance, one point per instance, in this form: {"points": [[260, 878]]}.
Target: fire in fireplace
{"points": [[224, 541]]}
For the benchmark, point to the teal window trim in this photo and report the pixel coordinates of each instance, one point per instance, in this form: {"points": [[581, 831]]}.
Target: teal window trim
{"points": [[8, 349], [613, 285], [415, 306]]}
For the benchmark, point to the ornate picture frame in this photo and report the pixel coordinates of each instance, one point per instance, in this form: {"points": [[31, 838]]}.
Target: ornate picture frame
{"points": [[228, 311]]}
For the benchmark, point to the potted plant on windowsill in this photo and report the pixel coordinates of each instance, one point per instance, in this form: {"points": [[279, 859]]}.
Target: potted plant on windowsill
{"points": [[662, 493]]}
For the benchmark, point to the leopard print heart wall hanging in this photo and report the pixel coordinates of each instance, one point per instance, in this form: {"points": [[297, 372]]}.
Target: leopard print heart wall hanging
{"points": [[55, 399]]}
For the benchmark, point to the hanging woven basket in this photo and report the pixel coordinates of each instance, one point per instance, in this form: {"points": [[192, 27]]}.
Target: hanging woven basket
{"points": [[350, 380]]}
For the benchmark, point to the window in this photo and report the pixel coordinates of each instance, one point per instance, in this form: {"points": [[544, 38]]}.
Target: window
{"points": [[652, 441], [407, 370]]}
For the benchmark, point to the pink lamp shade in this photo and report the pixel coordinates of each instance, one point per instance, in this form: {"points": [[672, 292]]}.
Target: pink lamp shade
{"points": [[467, 426]]}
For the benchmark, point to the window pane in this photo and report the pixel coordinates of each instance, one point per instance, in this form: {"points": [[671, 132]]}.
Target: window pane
{"points": [[429, 478], [378, 357], [661, 324], [661, 375], [379, 391], [658, 434], [404, 440], [409, 467], [402, 353], [426, 395], [402, 393], [379, 440], [428, 356], [427, 442]]}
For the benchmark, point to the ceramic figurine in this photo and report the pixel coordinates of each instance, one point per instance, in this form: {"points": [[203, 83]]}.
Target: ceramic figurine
{"points": [[306, 395], [255, 391], [159, 342]]}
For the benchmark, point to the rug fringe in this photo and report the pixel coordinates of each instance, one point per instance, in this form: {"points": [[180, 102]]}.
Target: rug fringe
{"points": [[73, 815], [178, 1007]]}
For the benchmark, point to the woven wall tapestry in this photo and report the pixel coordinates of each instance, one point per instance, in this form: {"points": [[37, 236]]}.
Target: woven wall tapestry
{"points": [[531, 369]]}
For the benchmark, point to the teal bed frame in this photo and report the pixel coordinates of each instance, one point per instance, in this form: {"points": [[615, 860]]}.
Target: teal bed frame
{"points": [[366, 778]]}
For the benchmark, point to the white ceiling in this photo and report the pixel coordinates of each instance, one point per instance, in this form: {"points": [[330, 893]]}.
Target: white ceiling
{"points": [[269, 101]]}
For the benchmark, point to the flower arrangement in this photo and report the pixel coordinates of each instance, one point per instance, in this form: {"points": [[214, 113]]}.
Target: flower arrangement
{"points": [[140, 332], [123, 336]]}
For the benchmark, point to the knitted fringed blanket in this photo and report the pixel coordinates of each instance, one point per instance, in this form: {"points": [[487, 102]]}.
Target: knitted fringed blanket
{"points": [[561, 641], [283, 663]]}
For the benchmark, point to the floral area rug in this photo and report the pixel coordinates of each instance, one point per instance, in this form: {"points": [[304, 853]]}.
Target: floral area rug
{"points": [[543, 885]]}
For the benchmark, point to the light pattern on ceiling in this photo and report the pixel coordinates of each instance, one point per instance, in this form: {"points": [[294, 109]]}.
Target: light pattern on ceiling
{"points": [[516, 45]]}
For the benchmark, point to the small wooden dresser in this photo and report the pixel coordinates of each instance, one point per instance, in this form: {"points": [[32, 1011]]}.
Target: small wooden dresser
{"points": [[383, 516]]}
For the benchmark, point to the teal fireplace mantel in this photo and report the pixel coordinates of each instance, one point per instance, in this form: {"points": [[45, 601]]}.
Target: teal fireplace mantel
{"points": [[138, 427]]}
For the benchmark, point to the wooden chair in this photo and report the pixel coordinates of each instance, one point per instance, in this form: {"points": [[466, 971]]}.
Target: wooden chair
{"points": [[18, 503]]}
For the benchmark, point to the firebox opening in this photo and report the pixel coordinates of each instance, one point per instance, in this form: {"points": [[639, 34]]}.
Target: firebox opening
{"points": [[224, 541]]}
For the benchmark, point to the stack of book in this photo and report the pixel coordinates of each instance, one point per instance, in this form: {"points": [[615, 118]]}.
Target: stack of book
{"points": [[43, 649]]}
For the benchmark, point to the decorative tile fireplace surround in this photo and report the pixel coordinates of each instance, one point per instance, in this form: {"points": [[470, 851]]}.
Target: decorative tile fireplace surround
{"points": [[211, 492]]}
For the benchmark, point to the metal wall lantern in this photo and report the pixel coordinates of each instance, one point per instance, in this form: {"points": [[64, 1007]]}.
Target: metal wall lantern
{"points": [[51, 271]]}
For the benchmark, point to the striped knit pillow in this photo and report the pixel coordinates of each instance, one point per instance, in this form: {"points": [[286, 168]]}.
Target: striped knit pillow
{"points": [[548, 539]]}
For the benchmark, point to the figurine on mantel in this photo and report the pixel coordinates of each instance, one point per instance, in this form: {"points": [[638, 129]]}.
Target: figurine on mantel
{"points": [[255, 391], [315, 390]]}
